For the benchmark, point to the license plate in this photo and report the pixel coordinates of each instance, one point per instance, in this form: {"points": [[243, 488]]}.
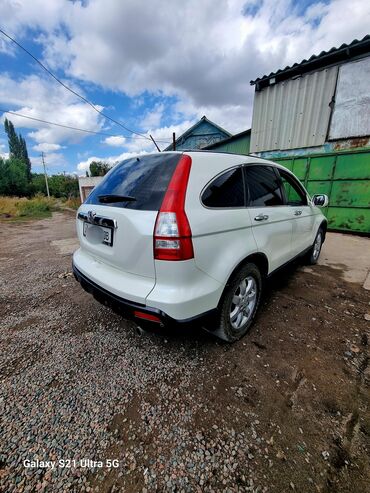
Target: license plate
{"points": [[98, 233]]}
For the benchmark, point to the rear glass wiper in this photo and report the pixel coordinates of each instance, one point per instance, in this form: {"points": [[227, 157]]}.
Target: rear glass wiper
{"points": [[107, 199]]}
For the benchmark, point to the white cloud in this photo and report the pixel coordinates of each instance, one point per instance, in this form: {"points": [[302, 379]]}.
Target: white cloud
{"points": [[47, 147], [136, 147], [52, 160], [232, 118], [41, 14], [6, 47], [115, 141], [202, 55], [207, 58], [41, 98], [3, 153], [111, 160], [161, 136], [152, 118]]}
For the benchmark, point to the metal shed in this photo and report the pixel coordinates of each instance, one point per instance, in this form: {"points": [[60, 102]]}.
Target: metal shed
{"points": [[294, 113], [314, 118], [237, 144]]}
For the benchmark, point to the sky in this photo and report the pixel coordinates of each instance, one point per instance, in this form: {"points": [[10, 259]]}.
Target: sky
{"points": [[155, 66]]}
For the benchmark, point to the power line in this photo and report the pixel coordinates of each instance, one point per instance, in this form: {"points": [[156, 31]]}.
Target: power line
{"points": [[69, 89], [74, 128]]}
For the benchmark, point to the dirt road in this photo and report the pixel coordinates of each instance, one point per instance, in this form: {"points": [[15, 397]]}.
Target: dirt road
{"points": [[285, 409]]}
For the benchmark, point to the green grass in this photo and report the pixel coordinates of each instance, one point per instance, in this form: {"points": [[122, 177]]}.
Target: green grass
{"points": [[38, 207], [72, 203]]}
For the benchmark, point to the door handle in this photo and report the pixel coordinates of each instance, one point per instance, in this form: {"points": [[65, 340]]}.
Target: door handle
{"points": [[297, 213], [261, 217]]}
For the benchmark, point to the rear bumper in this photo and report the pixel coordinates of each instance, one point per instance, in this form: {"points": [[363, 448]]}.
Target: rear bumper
{"points": [[128, 308]]}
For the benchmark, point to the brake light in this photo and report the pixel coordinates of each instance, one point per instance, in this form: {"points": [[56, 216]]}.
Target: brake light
{"points": [[172, 233]]}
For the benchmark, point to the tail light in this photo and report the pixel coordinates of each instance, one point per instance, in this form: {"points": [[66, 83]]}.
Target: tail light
{"points": [[172, 233]]}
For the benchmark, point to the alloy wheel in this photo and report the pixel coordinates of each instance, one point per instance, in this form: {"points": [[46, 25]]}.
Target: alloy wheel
{"points": [[243, 302], [317, 247]]}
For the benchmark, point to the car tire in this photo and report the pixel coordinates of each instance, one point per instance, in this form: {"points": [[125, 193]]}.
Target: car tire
{"points": [[314, 253], [239, 304]]}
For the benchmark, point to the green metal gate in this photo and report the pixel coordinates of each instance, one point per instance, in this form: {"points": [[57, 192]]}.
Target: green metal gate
{"points": [[345, 178]]}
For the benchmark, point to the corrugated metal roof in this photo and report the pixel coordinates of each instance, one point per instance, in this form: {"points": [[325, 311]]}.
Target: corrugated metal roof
{"points": [[238, 143], [294, 113], [345, 52]]}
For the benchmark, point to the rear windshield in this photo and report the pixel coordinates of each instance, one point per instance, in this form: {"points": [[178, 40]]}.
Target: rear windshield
{"points": [[144, 178]]}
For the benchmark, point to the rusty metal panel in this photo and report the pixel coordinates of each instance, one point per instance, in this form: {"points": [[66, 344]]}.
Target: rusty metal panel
{"points": [[349, 144], [316, 187], [351, 193], [353, 166], [351, 116], [294, 113], [349, 219]]}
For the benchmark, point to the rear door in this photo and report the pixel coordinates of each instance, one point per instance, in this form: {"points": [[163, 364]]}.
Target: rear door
{"points": [[220, 223], [300, 211], [116, 222], [271, 219]]}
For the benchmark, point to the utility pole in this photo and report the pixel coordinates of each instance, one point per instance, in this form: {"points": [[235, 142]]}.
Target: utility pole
{"points": [[155, 143], [46, 176], [174, 141]]}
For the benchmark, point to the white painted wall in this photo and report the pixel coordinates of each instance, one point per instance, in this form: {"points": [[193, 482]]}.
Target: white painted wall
{"points": [[88, 181]]}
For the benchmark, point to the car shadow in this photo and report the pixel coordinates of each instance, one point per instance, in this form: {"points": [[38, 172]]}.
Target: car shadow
{"points": [[280, 279], [195, 331]]}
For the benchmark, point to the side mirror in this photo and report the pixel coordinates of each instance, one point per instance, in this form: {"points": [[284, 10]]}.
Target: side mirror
{"points": [[321, 200]]}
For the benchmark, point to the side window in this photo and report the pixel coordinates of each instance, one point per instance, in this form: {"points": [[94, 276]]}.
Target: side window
{"points": [[293, 193], [227, 190], [263, 185]]}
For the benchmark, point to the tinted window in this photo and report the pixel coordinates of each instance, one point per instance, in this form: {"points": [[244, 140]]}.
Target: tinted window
{"points": [[145, 178], [263, 185], [293, 193], [227, 190]]}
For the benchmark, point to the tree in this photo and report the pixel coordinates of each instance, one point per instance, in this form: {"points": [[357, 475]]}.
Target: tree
{"points": [[13, 177], [38, 184], [3, 177], [98, 168], [13, 141], [24, 156], [17, 147], [63, 186]]}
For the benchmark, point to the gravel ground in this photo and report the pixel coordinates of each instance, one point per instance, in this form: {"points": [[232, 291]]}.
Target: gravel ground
{"points": [[285, 409]]}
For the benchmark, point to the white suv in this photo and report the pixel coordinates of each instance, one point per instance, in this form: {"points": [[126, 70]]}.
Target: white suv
{"points": [[182, 236]]}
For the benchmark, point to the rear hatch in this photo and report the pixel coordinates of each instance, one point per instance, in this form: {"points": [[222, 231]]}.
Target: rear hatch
{"points": [[116, 222]]}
